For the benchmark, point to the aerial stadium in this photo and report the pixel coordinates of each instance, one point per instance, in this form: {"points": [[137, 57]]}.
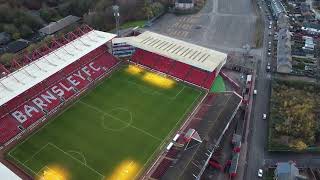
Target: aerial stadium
{"points": [[91, 105]]}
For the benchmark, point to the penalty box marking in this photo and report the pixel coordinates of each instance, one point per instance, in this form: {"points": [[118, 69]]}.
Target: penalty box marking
{"points": [[77, 160], [64, 152], [59, 149]]}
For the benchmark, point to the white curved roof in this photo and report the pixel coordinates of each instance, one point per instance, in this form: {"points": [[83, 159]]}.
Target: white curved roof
{"points": [[188, 53], [26, 77]]}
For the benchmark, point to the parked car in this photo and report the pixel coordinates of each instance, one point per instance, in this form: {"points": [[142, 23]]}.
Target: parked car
{"points": [[268, 68], [264, 116], [260, 173]]}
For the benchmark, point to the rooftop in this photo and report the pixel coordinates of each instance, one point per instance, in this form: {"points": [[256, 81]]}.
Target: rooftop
{"points": [[188, 53], [58, 25], [28, 76]]}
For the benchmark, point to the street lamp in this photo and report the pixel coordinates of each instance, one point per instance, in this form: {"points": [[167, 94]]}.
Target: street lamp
{"points": [[116, 15]]}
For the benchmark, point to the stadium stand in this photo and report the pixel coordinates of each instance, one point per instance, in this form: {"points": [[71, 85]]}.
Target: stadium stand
{"points": [[197, 76], [188, 62], [176, 69], [32, 114], [172, 153], [163, 64], [180, 70], [68, 90], [208, 82], [47, 86], [8, 128], [163, 166]]}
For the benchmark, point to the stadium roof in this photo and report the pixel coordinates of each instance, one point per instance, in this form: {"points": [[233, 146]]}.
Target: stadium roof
{"points": [[26, 77], [178, 50], [7, 174]]}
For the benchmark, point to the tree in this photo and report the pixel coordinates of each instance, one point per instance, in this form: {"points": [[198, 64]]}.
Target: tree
{"points": [[10, 28], [16, 35], [6, 58], [157, 8], [49, 14], [147, 9], [80, 7], [298, 145], [25, 31]]}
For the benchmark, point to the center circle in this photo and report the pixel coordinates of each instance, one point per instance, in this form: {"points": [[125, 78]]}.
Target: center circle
{"points": [[117, 119]]}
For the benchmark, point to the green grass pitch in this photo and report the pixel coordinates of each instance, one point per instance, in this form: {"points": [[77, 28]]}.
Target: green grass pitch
{"points": [[123, 119]]}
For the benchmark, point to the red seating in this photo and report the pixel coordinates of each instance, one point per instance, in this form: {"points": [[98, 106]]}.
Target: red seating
{"points": [[161, 169], [137, 55], [208, 82], [3, 111], [148, 59], [209, 99], [180, 70], [8, 128], [163, 64], [172, 153], [101, 64], [53, 79], [110, 60], [197, 76], [70, 68]]}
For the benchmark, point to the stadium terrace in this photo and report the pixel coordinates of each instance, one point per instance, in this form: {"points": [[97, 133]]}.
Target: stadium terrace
{"points": [[64, 104]]}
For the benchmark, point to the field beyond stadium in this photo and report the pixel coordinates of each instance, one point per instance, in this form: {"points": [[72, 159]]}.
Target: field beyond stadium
{"points": [[113, 132]]}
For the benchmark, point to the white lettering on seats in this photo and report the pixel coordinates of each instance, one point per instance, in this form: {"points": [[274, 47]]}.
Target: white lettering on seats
{"points": [[78, 74], [72, 81], [28, 109], [48, 97], [70, 88], [56, 90], [19, 116], [94, 68], [38, 102], [86, 70]]}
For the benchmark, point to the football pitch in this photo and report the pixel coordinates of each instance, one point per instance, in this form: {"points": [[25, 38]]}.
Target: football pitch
{"points": [[112, 132]]}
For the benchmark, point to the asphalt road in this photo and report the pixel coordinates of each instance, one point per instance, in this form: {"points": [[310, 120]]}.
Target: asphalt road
{"points": [[258, 126], [225, 25]]}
